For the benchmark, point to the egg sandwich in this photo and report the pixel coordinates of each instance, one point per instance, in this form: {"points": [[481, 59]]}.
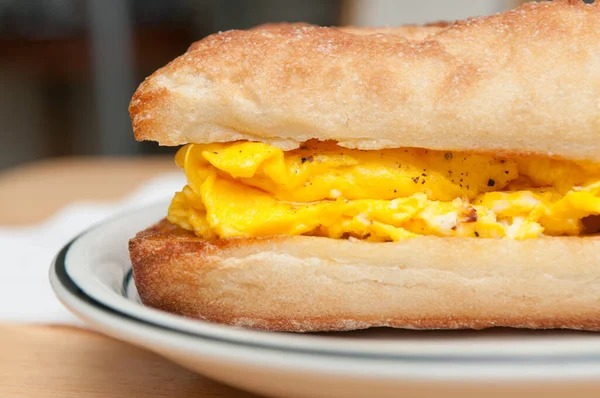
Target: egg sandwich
{"points": [[436, 177]]}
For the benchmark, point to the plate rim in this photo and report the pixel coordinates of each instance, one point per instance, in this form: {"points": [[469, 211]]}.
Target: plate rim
{"points": [[60, 265], [174, 344]]}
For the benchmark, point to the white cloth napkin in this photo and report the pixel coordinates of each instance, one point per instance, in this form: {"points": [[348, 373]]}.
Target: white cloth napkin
{"points": [[25, 292]]}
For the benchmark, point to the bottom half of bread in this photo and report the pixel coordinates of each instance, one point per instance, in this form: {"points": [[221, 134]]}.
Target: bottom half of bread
{"points": [[302, 283]]}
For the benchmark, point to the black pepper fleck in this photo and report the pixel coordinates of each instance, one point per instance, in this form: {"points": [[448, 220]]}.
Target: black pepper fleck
{"points": [[505, 171], [415, 180], [476, 234], [471, 215], [448, 155], [491, 183]]}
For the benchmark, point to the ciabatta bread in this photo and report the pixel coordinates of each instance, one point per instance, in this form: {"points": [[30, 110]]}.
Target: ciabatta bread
{"points": [[522, 82], [302, 283]]}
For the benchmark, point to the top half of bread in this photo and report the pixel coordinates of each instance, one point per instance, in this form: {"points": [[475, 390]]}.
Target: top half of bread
{"points": [[522, 82]]}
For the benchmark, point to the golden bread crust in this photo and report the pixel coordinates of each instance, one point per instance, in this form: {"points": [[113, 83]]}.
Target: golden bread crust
{"points": [[522, 82], [301, 283], [414, 32]]}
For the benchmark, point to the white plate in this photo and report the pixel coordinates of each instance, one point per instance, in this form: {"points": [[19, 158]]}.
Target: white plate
{"points": [[92, 277]]}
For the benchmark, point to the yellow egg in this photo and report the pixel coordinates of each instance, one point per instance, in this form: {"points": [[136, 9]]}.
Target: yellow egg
{"points": [[248, 189]]}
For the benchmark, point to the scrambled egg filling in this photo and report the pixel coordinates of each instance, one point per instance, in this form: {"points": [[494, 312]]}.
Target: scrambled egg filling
{"points": [[250, 189]]}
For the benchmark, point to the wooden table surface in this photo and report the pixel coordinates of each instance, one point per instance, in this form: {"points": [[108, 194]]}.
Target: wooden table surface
{"points": [[62, 361]]}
